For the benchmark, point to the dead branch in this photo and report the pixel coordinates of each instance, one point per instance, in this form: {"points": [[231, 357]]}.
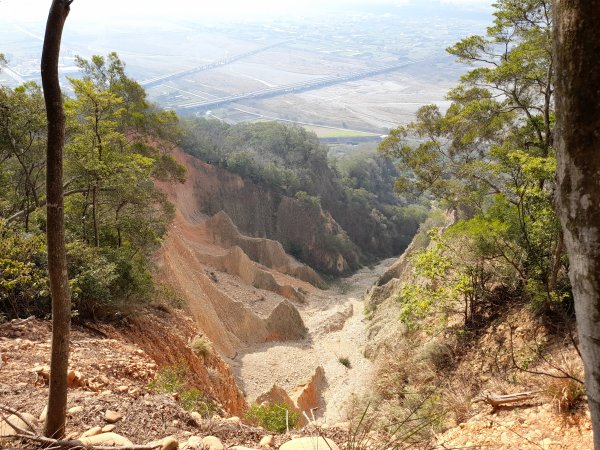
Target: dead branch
{"points": [[32, 428], [497, 400], [33, 435], [563, 374], [16, 322]]}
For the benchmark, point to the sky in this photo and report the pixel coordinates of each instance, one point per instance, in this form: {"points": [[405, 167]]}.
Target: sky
{"points": [[37, 10]]}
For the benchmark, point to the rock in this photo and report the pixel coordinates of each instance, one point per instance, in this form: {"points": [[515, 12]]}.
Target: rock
{"points": [[308, 396], [108, 428], [112, 416], [75, 410], [241, 447], [169, 443], [233, 419], [91, 432], [193, 443], [43, 373], [266, 441], [106, 439], [7, 430], [212, 443], [74, 378], [43, 414], [197, 417], [309, 443]]}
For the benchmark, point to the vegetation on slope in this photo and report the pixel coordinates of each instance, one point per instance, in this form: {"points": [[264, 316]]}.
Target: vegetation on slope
{"points": [[488, 300], [291, 162], [490, 157], [116, 145]]}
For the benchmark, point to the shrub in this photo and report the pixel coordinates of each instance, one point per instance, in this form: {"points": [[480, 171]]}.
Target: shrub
{"points": [[565, 388], [345, 361], [273, 417], [438, 354], [172, 379], [169, 379], [565, 393], [193, 399], [201, 346], [24, 288]]}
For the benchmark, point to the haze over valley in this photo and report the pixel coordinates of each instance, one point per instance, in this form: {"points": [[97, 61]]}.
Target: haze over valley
{"points": [[356, 72]]}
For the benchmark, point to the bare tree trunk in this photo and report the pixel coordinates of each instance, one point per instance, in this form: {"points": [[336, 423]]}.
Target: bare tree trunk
{"points": [[95, 216], [57, 261], [577, 50]]}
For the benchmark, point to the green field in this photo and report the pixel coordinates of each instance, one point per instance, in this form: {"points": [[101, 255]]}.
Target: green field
{"points": [[337, 132]]}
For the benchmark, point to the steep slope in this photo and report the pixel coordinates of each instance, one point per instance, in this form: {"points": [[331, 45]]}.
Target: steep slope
{"points": [[301, 227], [187, 263], [457, 368], [264, 251]]}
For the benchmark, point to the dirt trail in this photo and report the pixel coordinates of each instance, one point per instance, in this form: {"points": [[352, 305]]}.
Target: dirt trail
{"points": [[288, 364]]}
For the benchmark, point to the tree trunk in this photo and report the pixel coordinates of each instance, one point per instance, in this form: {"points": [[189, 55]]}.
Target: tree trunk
{"points": [[95, 216], [57, 262], [577, 53]]}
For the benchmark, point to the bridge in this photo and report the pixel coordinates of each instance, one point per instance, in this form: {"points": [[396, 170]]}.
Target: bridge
{"points": [[222, 62], [292, 88]]}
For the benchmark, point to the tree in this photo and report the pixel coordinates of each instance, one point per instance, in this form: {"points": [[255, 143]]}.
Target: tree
{"points": [[577, 46], [55, 227], [22, 150], [491, 153]]}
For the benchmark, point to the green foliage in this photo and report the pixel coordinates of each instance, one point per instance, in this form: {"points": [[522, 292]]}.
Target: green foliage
{"points": [[172, 379], [169, 379], [309, 200], [345, 361], [24, 288], [273, 417], [290, 161], [105, 281], [490, 157], [117, 144]]}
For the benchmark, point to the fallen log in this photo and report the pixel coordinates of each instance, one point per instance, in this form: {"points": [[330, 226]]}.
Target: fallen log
{"points": [[498, 400]]}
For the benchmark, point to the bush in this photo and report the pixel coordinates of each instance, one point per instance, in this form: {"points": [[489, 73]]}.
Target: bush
{"points": [[345, 361], [169, 379], [201, 346], [193, 399], [438, 354], [273, 417], [106, 281], [24, 288], [565, 388], [172, 379]]}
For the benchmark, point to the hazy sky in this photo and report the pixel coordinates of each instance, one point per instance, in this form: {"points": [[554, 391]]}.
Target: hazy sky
{"points": [[37, 10]]}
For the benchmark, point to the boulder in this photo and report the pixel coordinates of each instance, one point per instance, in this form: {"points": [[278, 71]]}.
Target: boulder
{"points": [[75, 379], [266, 441], [112, 416], [91, 432], [310, 443], [193, 443], [169, 443], [7, 430], [106, 439], [75, 410], [212, 443], [43, 414]]}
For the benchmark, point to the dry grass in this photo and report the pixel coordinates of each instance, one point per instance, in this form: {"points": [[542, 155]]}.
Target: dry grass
{"points": [[457, 399], [563, 387], [201, 346]]}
